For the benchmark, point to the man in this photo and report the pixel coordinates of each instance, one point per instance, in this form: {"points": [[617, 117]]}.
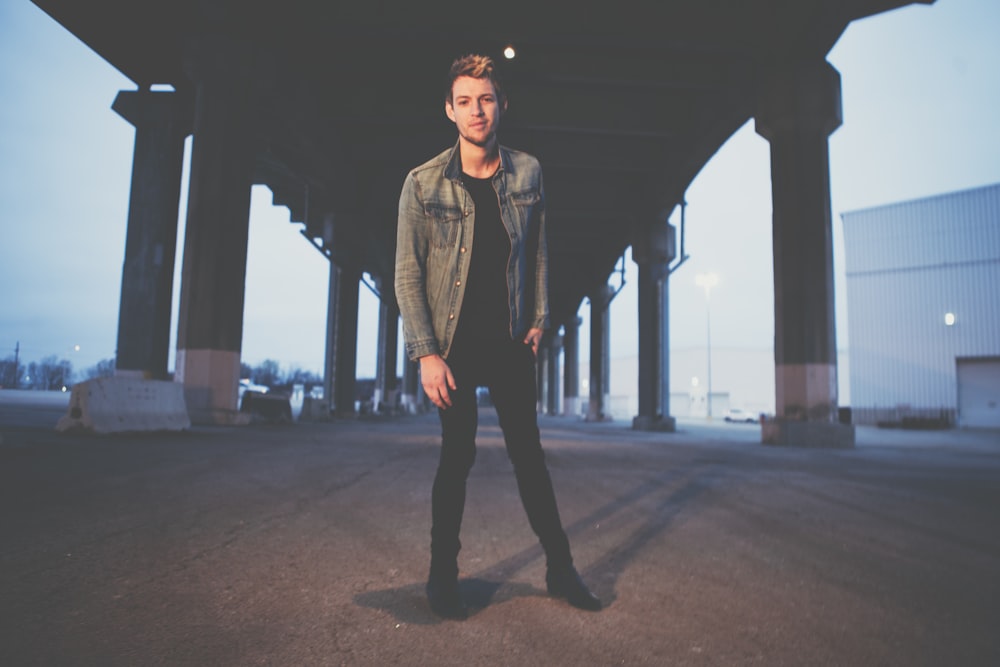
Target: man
{"points": [[471, 282]]}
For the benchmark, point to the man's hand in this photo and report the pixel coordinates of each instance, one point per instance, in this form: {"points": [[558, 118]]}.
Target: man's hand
{"points": [[533, 338], [436, 378]]}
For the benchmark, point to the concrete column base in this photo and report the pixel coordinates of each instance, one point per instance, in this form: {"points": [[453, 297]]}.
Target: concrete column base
{"points": [[662, 424], [211, 380], [133, 374], [214, 416], [595, 410], [409, 404], [794, 433]]}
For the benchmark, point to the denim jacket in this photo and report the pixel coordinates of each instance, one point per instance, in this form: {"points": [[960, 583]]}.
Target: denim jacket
{"points": [[434, 239]]}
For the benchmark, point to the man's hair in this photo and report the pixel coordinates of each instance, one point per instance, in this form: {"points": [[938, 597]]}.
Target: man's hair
{"points": [[478, 67]]}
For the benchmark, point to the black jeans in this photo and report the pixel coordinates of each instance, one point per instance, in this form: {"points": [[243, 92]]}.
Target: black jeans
{"points": [[508, 371]]}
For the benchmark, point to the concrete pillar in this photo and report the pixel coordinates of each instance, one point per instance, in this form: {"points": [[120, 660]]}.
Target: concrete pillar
{"points": [[571, 367], [798, 108], [653, 251], [210, 326], [162, 121], [386, 381], [541, 378], [553, 348], [600, 353], [413, 393], [339, 379]]}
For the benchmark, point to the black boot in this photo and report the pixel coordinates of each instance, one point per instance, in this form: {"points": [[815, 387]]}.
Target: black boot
{"points": [[565, 582], [445, 598]]}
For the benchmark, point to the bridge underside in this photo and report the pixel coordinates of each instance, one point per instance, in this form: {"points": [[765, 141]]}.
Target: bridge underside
{"points": [[328, 104]]}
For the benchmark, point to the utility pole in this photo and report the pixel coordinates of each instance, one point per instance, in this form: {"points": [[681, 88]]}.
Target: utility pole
{"points": [[17, 370], [708, 281]]}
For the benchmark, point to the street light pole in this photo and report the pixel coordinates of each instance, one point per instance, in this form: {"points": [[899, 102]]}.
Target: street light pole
{"points": [[707, 281]]}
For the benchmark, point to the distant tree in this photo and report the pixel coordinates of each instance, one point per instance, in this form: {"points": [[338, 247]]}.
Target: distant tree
{"points": [[268, 373], [103, 369], [245, 370], [9, 373], [299, 376], [50, 373]]}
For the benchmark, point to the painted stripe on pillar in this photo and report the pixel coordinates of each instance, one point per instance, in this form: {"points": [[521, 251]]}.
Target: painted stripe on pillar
{"points": [[211, 384], [806, 391]]}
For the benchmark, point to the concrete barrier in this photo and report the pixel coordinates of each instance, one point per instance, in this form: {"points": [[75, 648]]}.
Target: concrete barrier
{"points": [[795, 433], [266, 407], [125, 404], [314, 410]]}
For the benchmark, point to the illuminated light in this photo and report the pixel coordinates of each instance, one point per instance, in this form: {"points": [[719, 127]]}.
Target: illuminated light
{"points": [[706, 280], [76, 348], [509, 52], [949, 319]]}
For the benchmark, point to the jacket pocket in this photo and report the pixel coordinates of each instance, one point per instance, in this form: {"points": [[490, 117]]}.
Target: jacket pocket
{"points": [[445, 221], [524, 204]]}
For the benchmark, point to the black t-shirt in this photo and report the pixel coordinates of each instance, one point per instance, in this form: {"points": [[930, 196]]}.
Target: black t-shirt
{"points": [[485, 315]]}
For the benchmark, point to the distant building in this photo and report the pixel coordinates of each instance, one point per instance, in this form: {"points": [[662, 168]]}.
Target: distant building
{"points": [[923, 295]]}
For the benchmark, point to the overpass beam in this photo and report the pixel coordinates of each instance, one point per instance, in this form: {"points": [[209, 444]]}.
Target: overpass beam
{"points": [[386, 380], [413, 397], [210, 323], [340, 368], [798, 107], [162, 121], [571, 367], [653, 252], [600, 353], [541, 377], [553, 347]]}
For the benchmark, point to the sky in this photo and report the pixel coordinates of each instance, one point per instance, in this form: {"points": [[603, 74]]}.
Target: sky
{"points": [[921, 102]]}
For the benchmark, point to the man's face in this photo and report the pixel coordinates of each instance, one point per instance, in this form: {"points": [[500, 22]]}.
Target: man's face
{"points": [[474, 109]]}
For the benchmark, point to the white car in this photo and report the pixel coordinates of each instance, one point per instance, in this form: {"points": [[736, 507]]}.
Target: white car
{"points": [[247, 385], [740, 415]]}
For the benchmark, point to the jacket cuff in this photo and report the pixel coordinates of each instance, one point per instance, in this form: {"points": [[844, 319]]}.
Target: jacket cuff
{"points": [[541, 323], [421, 348]]}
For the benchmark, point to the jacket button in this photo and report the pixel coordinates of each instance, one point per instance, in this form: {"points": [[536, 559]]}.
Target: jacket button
{"points": [[462, 249], [451, 316], [457, 283]]}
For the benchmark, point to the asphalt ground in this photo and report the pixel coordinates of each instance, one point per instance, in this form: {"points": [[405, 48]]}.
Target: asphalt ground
{"points": [[306, 544]]}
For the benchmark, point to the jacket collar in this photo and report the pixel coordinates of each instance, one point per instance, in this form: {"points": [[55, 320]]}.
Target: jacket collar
{"points": [[453, 167]]}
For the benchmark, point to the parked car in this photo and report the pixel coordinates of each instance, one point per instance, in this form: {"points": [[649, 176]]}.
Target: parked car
{"points": [[740, 415], [248, 385]]}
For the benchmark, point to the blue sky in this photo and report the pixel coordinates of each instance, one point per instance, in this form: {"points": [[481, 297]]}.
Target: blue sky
{"points": [[921, 98]]}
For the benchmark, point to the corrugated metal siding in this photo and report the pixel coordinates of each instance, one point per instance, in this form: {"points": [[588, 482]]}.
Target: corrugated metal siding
{"points": [[962, 227], [907, 265]]}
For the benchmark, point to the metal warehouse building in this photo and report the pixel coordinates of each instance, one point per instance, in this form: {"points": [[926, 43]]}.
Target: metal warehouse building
{"points": [[923, 294]]}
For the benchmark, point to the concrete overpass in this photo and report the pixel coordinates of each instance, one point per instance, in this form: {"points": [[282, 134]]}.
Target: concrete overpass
{"points": [[328, 104]]}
